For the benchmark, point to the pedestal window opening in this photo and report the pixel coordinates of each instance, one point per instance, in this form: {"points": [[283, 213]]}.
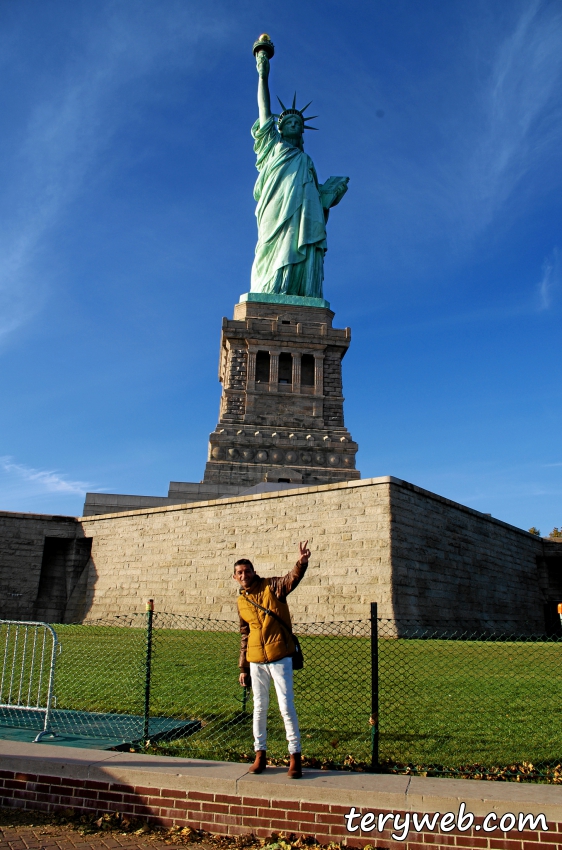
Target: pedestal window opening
{"points": [[262, 367], [285, 368], [307, 370]]}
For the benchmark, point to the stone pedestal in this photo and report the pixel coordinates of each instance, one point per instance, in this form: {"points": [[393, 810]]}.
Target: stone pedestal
{"points": [[281, 412]]}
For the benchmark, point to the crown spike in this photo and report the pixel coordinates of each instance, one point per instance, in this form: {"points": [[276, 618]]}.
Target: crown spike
{"points": [[310, 128], [294, 106], [283, 107], [309, 117], [305, 107]]}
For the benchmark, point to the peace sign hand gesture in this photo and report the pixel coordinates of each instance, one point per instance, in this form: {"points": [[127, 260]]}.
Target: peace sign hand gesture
{"points": [[304, 552]]}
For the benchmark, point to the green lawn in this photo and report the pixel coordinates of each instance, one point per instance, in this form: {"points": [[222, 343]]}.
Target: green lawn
{"points": [[443, 702], [463, 702]]}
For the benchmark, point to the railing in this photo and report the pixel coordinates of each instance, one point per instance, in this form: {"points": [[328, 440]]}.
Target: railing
{"points": [[28, 655]]}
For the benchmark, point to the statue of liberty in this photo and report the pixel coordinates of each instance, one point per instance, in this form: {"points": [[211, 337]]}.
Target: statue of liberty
{"points": [[292, 207]]}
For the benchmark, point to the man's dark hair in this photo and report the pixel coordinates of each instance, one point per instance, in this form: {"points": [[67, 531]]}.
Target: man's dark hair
{"points": [[245, 562]]}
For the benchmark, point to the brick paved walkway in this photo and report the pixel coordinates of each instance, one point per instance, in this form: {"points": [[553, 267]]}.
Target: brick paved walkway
{"points": [[62, 837]]}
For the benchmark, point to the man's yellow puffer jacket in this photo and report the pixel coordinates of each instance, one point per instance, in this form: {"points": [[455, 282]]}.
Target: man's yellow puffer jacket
{"points": [[268, 640]]}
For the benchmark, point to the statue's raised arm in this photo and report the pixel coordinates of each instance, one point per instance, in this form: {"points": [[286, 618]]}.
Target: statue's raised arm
{"points": [[264, 100], [292, 207], [263, 51]]}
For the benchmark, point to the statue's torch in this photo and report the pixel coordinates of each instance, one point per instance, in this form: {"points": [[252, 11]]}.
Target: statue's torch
{"points": [[264, 43]]}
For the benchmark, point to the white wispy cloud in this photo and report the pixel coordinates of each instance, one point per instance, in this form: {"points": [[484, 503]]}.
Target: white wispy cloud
{"points": [[42, 480], [551, 275], [521, 105], [490, 137], [69, 129]]}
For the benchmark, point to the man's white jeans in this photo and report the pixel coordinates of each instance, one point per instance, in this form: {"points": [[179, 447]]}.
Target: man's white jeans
{"points": [[282, 674]]}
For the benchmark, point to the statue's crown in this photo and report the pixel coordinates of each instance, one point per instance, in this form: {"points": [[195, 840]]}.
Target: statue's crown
{"points": [[294, 111]]}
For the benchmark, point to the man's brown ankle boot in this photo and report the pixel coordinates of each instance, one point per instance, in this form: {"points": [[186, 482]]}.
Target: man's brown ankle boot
{"points": [[295, 766], [260, 763]]}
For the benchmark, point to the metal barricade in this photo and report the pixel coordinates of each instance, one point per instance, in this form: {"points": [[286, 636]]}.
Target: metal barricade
{"points": [[28, 655]]}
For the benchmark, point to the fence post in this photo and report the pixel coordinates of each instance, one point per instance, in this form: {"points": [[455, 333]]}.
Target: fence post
{"points": [[374, 719], [147, 669]]}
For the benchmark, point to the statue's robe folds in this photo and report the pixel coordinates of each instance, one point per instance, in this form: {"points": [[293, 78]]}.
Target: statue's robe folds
{"points": [[291, 221]]}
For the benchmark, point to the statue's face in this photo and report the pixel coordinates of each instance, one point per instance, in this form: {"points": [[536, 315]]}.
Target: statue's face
{"points": [[292, 128]]}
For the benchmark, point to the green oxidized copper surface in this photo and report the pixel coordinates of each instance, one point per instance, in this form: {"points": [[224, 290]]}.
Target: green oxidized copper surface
{"points": [[292, 206], [277, 298], [264, 43]]}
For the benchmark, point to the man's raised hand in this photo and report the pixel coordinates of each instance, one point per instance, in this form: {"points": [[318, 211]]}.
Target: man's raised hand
{"points": [[304, 551]]}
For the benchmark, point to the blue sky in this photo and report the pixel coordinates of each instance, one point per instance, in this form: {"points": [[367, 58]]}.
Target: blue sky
{"points": [[127, 232]]}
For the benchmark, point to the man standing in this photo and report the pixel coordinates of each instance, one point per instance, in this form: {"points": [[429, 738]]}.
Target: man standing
{"points": [[266, 650]]}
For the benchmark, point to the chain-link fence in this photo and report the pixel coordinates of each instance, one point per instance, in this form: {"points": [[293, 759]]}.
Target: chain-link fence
{"points": [[169, 683], [469, 702], [373, 694], [195, 675]]}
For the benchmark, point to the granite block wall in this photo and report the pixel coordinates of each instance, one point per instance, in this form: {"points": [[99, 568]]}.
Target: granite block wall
{"points": [[421, 557], [22, 543], [183, 556], [453, 563]]}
